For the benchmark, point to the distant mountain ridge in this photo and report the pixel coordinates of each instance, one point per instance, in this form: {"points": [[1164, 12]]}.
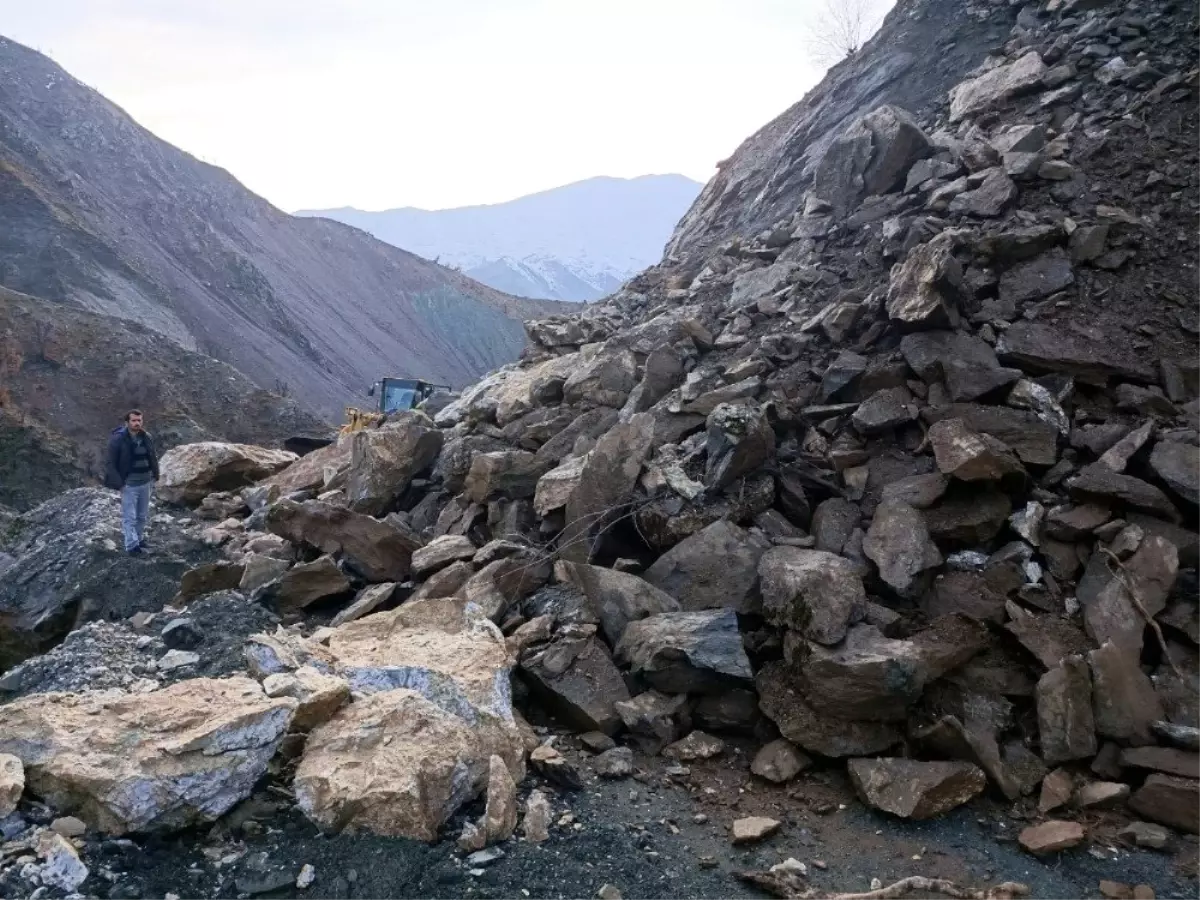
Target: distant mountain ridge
{"points": [[100, 214], [577, 242]]}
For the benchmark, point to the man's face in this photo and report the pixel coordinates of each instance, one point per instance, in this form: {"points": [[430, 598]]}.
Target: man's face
{"points": [[135, 423]]}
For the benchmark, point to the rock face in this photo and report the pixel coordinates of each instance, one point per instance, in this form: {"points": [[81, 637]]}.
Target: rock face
{"points": [[394, 763], [687, 652], [385, 460], [812, 592], [190, 473], [166, 759], [915, 790]]}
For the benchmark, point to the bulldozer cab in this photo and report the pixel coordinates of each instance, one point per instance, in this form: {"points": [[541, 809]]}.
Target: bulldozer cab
{"points": [[396, 394]]}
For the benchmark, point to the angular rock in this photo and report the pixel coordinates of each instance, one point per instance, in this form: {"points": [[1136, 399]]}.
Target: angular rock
{"points": [[779, 761], [996, 85], [898, 543], [917, 491], [1102, 795], [1146, 835], [12, 783], [930, 353], [443, 649], [1178, 465], [697, 745], [832, 523], [884, 411], [605, 379], [733, 711], [500, 814], [687, 652], [1167, 760], [1051, 837], [606, 481], [504, 474], [616, 762], [375, 549], [988, 200], [1109, 613], [384, 460], [842, 373], [1064, 712], [394, 763], [1045, 348], [1123, 699], [967, 519], [536, 824], [166, 759], [617, 598], [61, 866], [923, 291], [655, 719], [1170, 800], [740, 440], [306, 583], [1057, 790], [258, 570], [968, 456], [812, 592], [968, 594], [1034, 440], [867, 678], [715, 568], [753, 828], [189, 473], [915, 790], [319, 695], [1098, 482], [554, 489], [782, 701], [441, 552], [210, 578], [578, 681], [1118, 455]]}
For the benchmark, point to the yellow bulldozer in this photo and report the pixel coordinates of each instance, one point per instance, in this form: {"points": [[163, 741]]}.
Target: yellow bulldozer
{"points": [[394, 395]]}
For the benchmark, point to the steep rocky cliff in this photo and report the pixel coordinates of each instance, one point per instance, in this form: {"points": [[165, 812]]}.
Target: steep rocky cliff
{"points": [[101, 214]]}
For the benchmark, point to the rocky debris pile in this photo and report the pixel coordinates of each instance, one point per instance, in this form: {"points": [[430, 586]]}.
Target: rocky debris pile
{"points": [[907, 484]]}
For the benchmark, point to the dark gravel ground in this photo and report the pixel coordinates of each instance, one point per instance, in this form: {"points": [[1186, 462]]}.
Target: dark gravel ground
{"points": [[638, 834]]}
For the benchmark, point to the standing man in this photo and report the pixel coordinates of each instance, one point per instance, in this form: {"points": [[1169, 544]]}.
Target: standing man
{"points": [[132, 469]]}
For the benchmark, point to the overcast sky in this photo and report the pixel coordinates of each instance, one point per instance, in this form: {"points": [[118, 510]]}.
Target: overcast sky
{"points": [[435, 103]]}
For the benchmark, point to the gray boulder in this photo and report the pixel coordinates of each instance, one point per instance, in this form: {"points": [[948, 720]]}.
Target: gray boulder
{"points": [[687, 652]]}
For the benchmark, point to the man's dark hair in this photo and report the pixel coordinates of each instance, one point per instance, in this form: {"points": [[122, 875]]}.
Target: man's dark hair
{"points": [[133, 412]]}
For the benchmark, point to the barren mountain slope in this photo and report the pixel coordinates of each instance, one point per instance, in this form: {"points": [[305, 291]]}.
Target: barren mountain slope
{"points": [[100, 213], [67, 376]]}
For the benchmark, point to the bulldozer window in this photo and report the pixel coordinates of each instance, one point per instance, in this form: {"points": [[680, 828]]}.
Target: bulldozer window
{"points": [[397, 397]]}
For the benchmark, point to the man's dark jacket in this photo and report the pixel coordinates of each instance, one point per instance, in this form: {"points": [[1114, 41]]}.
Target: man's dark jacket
{"points": [[120, 457]]}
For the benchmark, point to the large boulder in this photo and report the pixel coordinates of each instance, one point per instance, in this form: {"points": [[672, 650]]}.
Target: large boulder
{"points": [[812, 592], [970, 456], [1066, 723], [503, 475], [1178, 465], [606, 482], [784, 703], [740, 440], [912, 789], [617, 598], [384, 461], [444, 649], [715, 568], [898, 543], [1124, 702], [604, 377], [687, 652], [1109, 613], [305, 584], [190, 473], [166, 759], [872, 156], [923, 291], [867, 677], [1090, 357], [395, 763], [375, 549], [577, 680], [996, 85]]}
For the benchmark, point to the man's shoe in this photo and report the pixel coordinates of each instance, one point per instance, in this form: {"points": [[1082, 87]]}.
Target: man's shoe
{"points": [[136, 551]]}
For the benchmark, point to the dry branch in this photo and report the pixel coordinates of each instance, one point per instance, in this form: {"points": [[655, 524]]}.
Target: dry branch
{"points": [[790, 887]]}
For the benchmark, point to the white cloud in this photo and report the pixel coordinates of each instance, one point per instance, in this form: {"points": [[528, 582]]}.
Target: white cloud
{"points": [[378, 103]]}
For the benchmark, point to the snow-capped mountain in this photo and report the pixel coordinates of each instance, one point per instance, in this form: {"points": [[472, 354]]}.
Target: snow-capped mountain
{"points": [[577, 242]]}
